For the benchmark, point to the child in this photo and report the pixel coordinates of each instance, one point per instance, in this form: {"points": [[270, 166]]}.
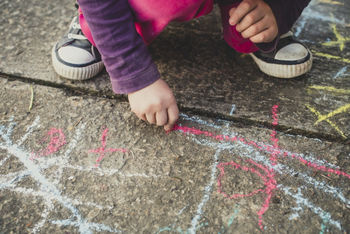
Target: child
{"points": [[115, 33]]}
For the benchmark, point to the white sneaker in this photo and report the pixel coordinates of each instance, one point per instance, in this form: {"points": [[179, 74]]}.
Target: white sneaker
{"points": [[290, 59], [74, 57]]}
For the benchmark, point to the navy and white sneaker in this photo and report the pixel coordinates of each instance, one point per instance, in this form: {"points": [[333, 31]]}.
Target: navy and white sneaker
{"points": [[74, 57], [290, 59]]}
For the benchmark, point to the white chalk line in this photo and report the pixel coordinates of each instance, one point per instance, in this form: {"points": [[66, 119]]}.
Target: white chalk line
{"points": [[96, 226], [341, 72], [199, 121], [20, 142], [281, 169], [63, 163], [281, 152], [6, 136], [44, 214], [233, 109], [206, 195], [29, 131], [73, 143], [4, 160], [300, 200], [309, 13], [13, 178], [182, 210], [45, 185]]}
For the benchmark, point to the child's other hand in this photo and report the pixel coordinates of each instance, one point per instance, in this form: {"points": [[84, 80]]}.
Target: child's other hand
{"points": [[155, 104], [255, 20]]}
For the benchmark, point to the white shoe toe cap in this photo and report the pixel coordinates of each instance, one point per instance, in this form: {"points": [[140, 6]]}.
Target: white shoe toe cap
{"points": [[292, 52], [75, 55]]}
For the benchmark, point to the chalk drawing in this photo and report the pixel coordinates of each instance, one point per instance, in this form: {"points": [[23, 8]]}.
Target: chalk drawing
{"points": [[206, 194], [4, 159], [265, 160], [230, 221], [340, 110], [330, 56], [281, 169], [48, 188], [260, 146], [102, 150], [233, 109], [330, 89], [326, 117], [299, 199], [56, 140], [225, 142], [29, 130], [173, 227], [311, 12], [250, 153], [182, 210], [331, 2], [340, 73], [340, 40], [179, 229], [268, 176], [45, 185], [324, 224]]}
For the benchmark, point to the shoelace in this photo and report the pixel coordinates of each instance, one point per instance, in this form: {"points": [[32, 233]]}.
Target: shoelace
{"points": [[78, 35]]}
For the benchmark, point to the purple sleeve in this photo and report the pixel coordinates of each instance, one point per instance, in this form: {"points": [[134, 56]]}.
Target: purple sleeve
{"points": [[123, 51], [286, 13]]}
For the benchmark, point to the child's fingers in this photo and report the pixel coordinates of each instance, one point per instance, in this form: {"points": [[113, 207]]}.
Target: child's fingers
{"points": [[250, 19], [265, 36], [151, 118], [254, 29], [161, 118], [231, 11], [143, 117], [243, 8], [173, 115]]}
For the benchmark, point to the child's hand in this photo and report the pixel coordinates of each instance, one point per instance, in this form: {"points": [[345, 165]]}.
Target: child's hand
{"points": [[155, 104], [255, 20]]}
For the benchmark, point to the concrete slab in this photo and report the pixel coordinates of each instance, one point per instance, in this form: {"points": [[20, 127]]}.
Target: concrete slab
{"points": [[206, 75], [82, 164]]}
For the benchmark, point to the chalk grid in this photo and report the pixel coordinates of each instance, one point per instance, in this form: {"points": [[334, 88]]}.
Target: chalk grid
{"points": [[256, 152]]}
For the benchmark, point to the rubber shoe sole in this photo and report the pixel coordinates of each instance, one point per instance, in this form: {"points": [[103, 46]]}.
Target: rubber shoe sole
{"points": [[286, 71]]}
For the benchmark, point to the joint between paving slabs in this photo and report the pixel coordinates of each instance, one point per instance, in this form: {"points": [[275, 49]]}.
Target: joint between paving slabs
{"points": [[235, 121]]}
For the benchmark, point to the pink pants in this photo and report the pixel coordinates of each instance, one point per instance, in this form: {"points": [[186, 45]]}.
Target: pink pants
{"points": [[152, 16]]}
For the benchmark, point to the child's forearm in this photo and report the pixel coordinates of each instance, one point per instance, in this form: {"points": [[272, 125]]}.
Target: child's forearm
{"points": [[123, 51]]}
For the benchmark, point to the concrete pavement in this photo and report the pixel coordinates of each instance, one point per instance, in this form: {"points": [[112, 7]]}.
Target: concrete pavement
{"points": [[250, 153]]}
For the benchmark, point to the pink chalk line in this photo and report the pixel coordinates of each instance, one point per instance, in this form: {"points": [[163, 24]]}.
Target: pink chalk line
{"points": [[262, 147], [56, 140], [234, 165], [102, 150], [269, 177], [271, 184]]}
